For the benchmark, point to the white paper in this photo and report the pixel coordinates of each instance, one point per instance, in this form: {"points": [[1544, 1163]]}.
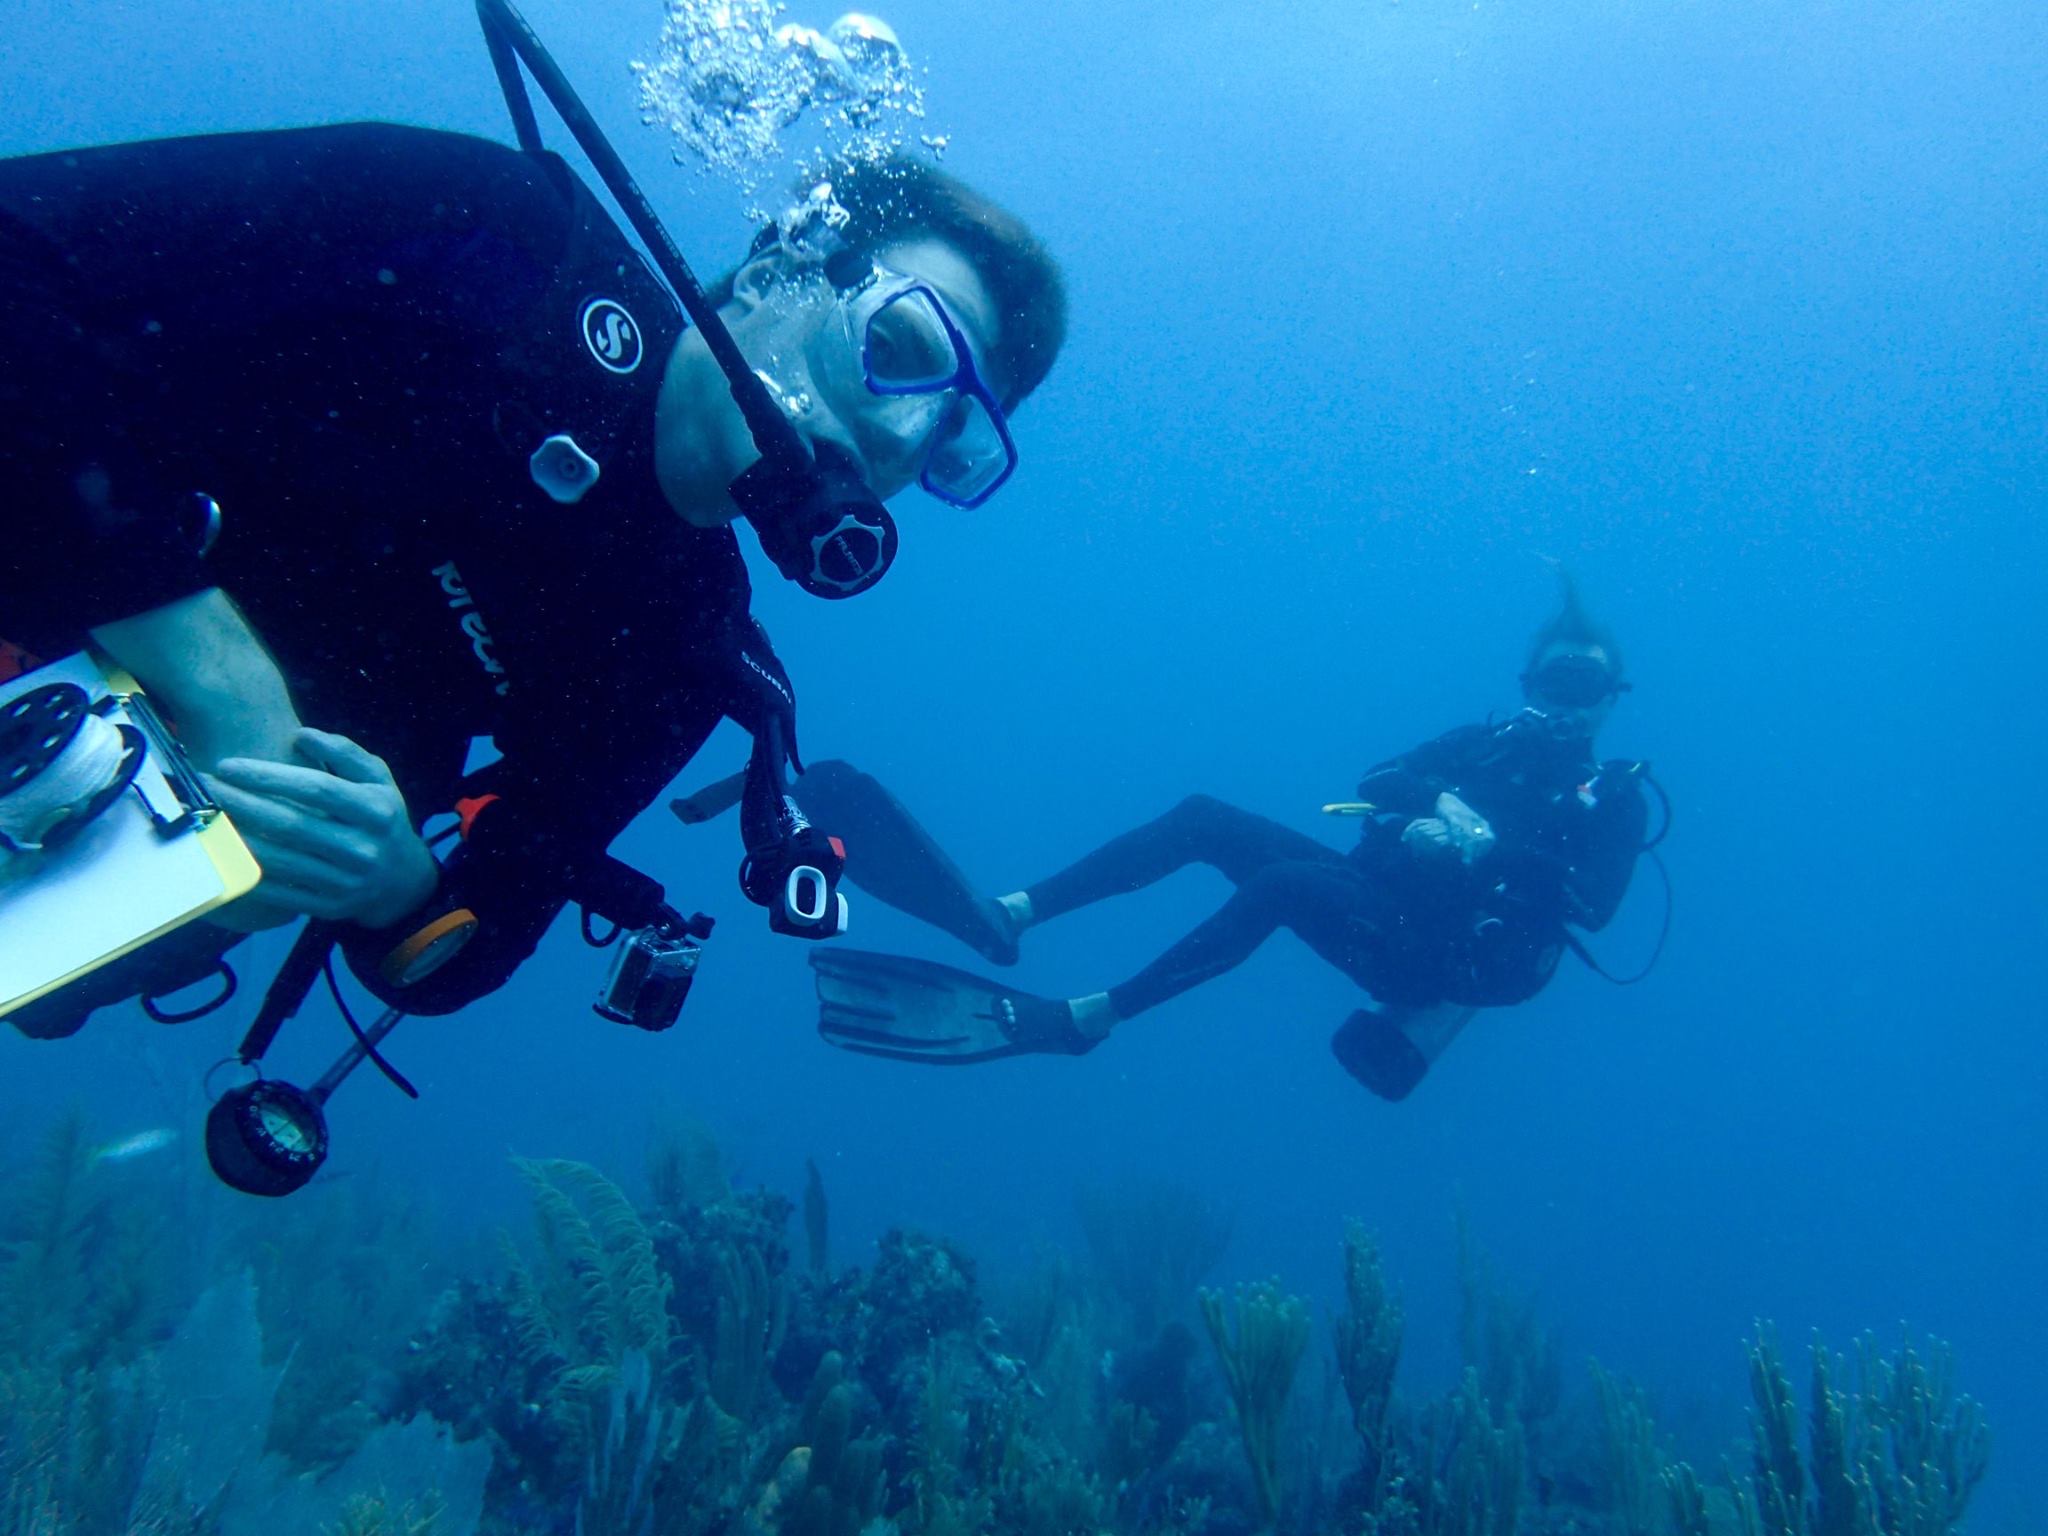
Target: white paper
{"points": [[111, 885]]}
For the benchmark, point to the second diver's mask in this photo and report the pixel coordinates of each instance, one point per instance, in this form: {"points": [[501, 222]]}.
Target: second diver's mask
{"points": [[1572, 681]]}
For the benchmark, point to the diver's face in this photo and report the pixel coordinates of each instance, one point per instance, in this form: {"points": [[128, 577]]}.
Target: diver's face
{"points": [[1563, 685], [804, 337], [891, 434]]}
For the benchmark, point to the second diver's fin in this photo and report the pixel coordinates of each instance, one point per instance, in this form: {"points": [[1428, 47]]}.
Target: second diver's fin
{"points": [[712, 800], [918, 1010]]}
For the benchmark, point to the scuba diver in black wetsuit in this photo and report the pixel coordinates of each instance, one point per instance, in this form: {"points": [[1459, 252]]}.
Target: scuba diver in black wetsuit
{"points": [[1481, 851], [394, 432]]}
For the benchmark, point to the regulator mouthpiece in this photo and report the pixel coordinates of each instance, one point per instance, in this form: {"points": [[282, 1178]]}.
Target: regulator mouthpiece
{"points": [[818, 521]]}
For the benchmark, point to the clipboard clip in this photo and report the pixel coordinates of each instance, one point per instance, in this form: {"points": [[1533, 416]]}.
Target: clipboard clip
{"points": [[187, 806]]}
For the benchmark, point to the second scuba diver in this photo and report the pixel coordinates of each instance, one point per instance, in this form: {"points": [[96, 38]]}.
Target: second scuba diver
{"points": [[393, 432], [1480, 852]]}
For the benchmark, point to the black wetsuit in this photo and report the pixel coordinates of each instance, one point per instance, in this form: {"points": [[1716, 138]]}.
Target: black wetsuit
{"points": [[1411, 932], [354, 340]]}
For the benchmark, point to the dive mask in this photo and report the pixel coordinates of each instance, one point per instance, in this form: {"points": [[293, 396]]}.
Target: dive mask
{"points": [[913, 352], [1573, 682]]}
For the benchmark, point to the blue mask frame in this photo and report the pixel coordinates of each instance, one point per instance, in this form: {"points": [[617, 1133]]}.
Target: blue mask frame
{"points": [[965, 378]]}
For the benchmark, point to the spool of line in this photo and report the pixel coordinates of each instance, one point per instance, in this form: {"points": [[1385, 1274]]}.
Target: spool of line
{"points": [[90, 764]]}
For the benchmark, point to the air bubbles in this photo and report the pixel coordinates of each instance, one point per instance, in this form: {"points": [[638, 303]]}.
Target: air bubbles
{"points": [[731, 78], [871, 46], [796, 404], [814, 223]]}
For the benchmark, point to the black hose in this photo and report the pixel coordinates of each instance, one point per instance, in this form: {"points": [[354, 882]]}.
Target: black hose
{"points": [[1578, 946], [396, 1078], [508, 34]]}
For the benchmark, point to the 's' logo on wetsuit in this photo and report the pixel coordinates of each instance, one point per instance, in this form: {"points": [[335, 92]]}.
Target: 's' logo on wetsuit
{"points": [[612, 335]]}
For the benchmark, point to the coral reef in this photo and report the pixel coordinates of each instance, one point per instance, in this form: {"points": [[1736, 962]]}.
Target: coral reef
{"points": [[1518, 1361], [662, 1368], [596, 1295], [1367, 1339], [817, 1221], [1260, 1356], [1899, 1455], [1636, 1464]]}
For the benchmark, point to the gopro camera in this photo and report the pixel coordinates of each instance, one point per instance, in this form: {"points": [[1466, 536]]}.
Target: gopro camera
{"points": [[650, 976]]}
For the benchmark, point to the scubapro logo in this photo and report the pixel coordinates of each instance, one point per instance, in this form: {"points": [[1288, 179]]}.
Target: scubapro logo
{"points": [[473, 627], [612, 335]]}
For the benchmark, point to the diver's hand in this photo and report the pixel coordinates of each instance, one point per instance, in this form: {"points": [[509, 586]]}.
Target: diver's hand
{"points": [[1470, 833], [333, 838], [1428, 839]]}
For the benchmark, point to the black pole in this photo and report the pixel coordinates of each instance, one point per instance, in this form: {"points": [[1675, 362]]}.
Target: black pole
{"points": [[508, 34], [525, 127], [295, 978], [359, 1050]]}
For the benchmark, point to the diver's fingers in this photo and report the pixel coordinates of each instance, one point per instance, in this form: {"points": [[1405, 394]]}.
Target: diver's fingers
{"points": [[313, 788], [1426, 835], [302, 901], [343, 758], [286, 868], [281, 824]]}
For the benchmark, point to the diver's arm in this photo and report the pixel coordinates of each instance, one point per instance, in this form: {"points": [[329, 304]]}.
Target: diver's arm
{"points": [[202, 664], [559, 799], [1604, 845], [323, 815], [100, 541], [1411, 782], [1403, 792], [100, 523]]}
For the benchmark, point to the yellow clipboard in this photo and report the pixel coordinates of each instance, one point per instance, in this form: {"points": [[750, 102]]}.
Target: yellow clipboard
{"points": [[122, 882]]}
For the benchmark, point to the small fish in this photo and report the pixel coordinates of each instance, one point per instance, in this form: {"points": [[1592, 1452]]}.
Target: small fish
{"points": [[128, 1148]]}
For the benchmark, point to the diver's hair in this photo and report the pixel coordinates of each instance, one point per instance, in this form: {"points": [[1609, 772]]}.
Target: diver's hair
{"points": [[1573, 625], [902, 198]]}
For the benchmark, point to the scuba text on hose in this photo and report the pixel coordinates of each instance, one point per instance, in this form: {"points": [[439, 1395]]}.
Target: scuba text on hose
{"points": [[815, 516]]}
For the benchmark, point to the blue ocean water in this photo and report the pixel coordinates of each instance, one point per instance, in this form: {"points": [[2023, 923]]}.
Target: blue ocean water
{"points": [[1737, 310]]}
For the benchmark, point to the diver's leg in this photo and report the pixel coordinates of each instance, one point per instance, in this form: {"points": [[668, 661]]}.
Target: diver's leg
{"points": [[1200, 830], [895, 860], [1327, 905]]}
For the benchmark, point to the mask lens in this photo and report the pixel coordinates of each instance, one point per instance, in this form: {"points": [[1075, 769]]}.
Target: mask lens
{"points": [[907, 346], [1576, 682], [968, 459]]}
